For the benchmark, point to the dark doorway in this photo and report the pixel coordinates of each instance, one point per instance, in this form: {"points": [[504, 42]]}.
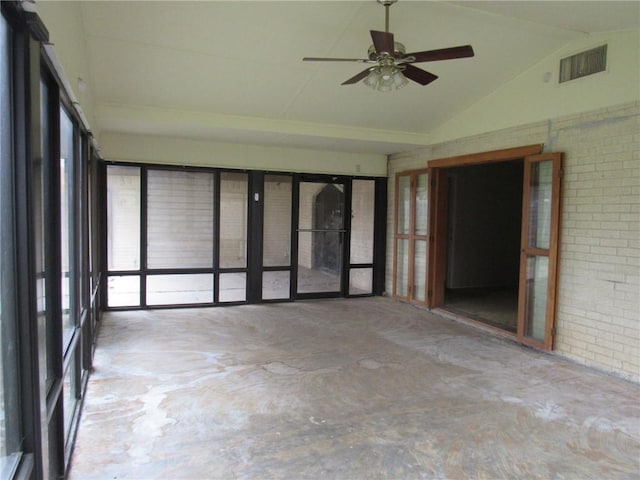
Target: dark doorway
{"points": [[483, 245], [327, 222]]}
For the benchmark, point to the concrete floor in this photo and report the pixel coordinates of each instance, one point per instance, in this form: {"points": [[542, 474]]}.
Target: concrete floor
{"points": [[345, 389]]}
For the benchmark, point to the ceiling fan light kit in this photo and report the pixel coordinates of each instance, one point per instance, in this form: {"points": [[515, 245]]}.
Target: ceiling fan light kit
{"points": [[385, 79], [392, 65]]}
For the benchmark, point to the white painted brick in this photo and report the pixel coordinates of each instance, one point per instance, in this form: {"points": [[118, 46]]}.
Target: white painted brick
{"points": [[599, 271]]}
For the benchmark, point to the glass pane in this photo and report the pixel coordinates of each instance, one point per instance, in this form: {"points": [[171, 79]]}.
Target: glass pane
{"points": [[321, 206], [536, 297], [69, 397], [540, 204], [123, 218], [421, 204], [233, 220], [402, 270], [233, 287], [360, 281], [362, 217], [123, 291], [67, 244], [404, 204], [179, 219], [420, 270], [10, 437], [177, 289], [320, 237], [41, 211], [275, 285], [277, 221], [319, 269]]}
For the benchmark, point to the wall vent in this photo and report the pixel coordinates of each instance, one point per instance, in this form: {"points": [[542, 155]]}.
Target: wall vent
{"points": [[583, 64]]}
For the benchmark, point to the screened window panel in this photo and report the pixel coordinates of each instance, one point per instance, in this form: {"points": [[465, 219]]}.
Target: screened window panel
{"points": [[536, 288], [67, 238], [179, 219], [233, 287], [179, 289], [540, 206], [419, 270], [421, 204], [69, 397], [41, 211], [360, 281], [362, 218], [277, 221], [404, 204], [402, 268], [123, 218], [321, 271], [123, 291], [10, 436], [275, 285], [233, 220]]}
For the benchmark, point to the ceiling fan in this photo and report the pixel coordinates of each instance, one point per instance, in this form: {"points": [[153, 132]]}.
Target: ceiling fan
{"points": [[391, 64]]}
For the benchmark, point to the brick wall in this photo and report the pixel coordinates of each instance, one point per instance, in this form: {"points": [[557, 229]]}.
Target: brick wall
{"points": [[598, 317]]}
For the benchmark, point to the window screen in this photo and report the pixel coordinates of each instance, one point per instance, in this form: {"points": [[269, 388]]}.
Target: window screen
{"points": [[180, 219]]}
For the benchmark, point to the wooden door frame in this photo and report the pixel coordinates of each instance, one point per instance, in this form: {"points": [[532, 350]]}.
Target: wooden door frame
{"points": [[551, 253], [438, 213]]}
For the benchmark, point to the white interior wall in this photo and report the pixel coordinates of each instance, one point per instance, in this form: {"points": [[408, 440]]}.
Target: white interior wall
{"points": [[182, 151], [530, 98]]}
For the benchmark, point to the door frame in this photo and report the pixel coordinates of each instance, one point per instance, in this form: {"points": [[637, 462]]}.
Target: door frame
{"points": [[439, 199], [438, 213], [438, 231], [346, 229]]}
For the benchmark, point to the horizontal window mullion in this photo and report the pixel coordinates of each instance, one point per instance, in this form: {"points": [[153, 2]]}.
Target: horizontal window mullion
{"points": [[123, 273], [178, 271], [233, 270], [535, 252], [271, 268], [361, 265]]}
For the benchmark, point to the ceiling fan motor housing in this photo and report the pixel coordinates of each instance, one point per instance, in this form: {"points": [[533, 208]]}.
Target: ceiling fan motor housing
{"points": [[399, 52]]}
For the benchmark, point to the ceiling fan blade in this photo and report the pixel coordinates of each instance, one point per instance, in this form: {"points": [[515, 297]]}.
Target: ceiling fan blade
{"points": [[383, 42], [418, 75], [357, 78], [321, 59], [442, 54]]}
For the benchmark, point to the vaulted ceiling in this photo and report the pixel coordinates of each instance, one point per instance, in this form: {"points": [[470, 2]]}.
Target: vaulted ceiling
{"points": [[232, 71]]}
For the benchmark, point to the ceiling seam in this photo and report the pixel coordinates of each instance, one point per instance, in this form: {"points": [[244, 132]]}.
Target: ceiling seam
{"points": [[337, 41]]}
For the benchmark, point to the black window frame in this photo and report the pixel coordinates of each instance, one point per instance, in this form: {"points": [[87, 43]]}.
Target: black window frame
{"points": [[254, 269]]}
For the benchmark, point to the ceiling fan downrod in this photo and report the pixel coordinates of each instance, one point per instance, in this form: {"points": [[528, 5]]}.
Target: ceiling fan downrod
{"points": [[386, 4]]}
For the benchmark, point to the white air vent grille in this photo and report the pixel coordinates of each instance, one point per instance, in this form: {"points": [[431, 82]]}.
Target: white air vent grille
{"points": [[583, 64]]}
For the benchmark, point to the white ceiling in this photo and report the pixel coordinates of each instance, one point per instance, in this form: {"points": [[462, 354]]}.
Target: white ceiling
{"points": [[232, 71]]}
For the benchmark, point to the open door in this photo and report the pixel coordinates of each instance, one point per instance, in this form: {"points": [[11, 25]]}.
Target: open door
{"points": [[411, 241], [539, 250]]}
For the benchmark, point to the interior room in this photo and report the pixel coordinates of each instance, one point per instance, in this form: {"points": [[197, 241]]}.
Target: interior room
{"points": [[483, 251], [298, 240]]}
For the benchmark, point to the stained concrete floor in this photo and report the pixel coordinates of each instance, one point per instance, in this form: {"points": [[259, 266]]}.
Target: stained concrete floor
{"points": [[343, 389]]}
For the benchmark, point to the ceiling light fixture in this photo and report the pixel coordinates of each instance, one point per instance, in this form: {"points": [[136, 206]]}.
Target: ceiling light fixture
{"points": [[393, 67], [385, 78]]}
